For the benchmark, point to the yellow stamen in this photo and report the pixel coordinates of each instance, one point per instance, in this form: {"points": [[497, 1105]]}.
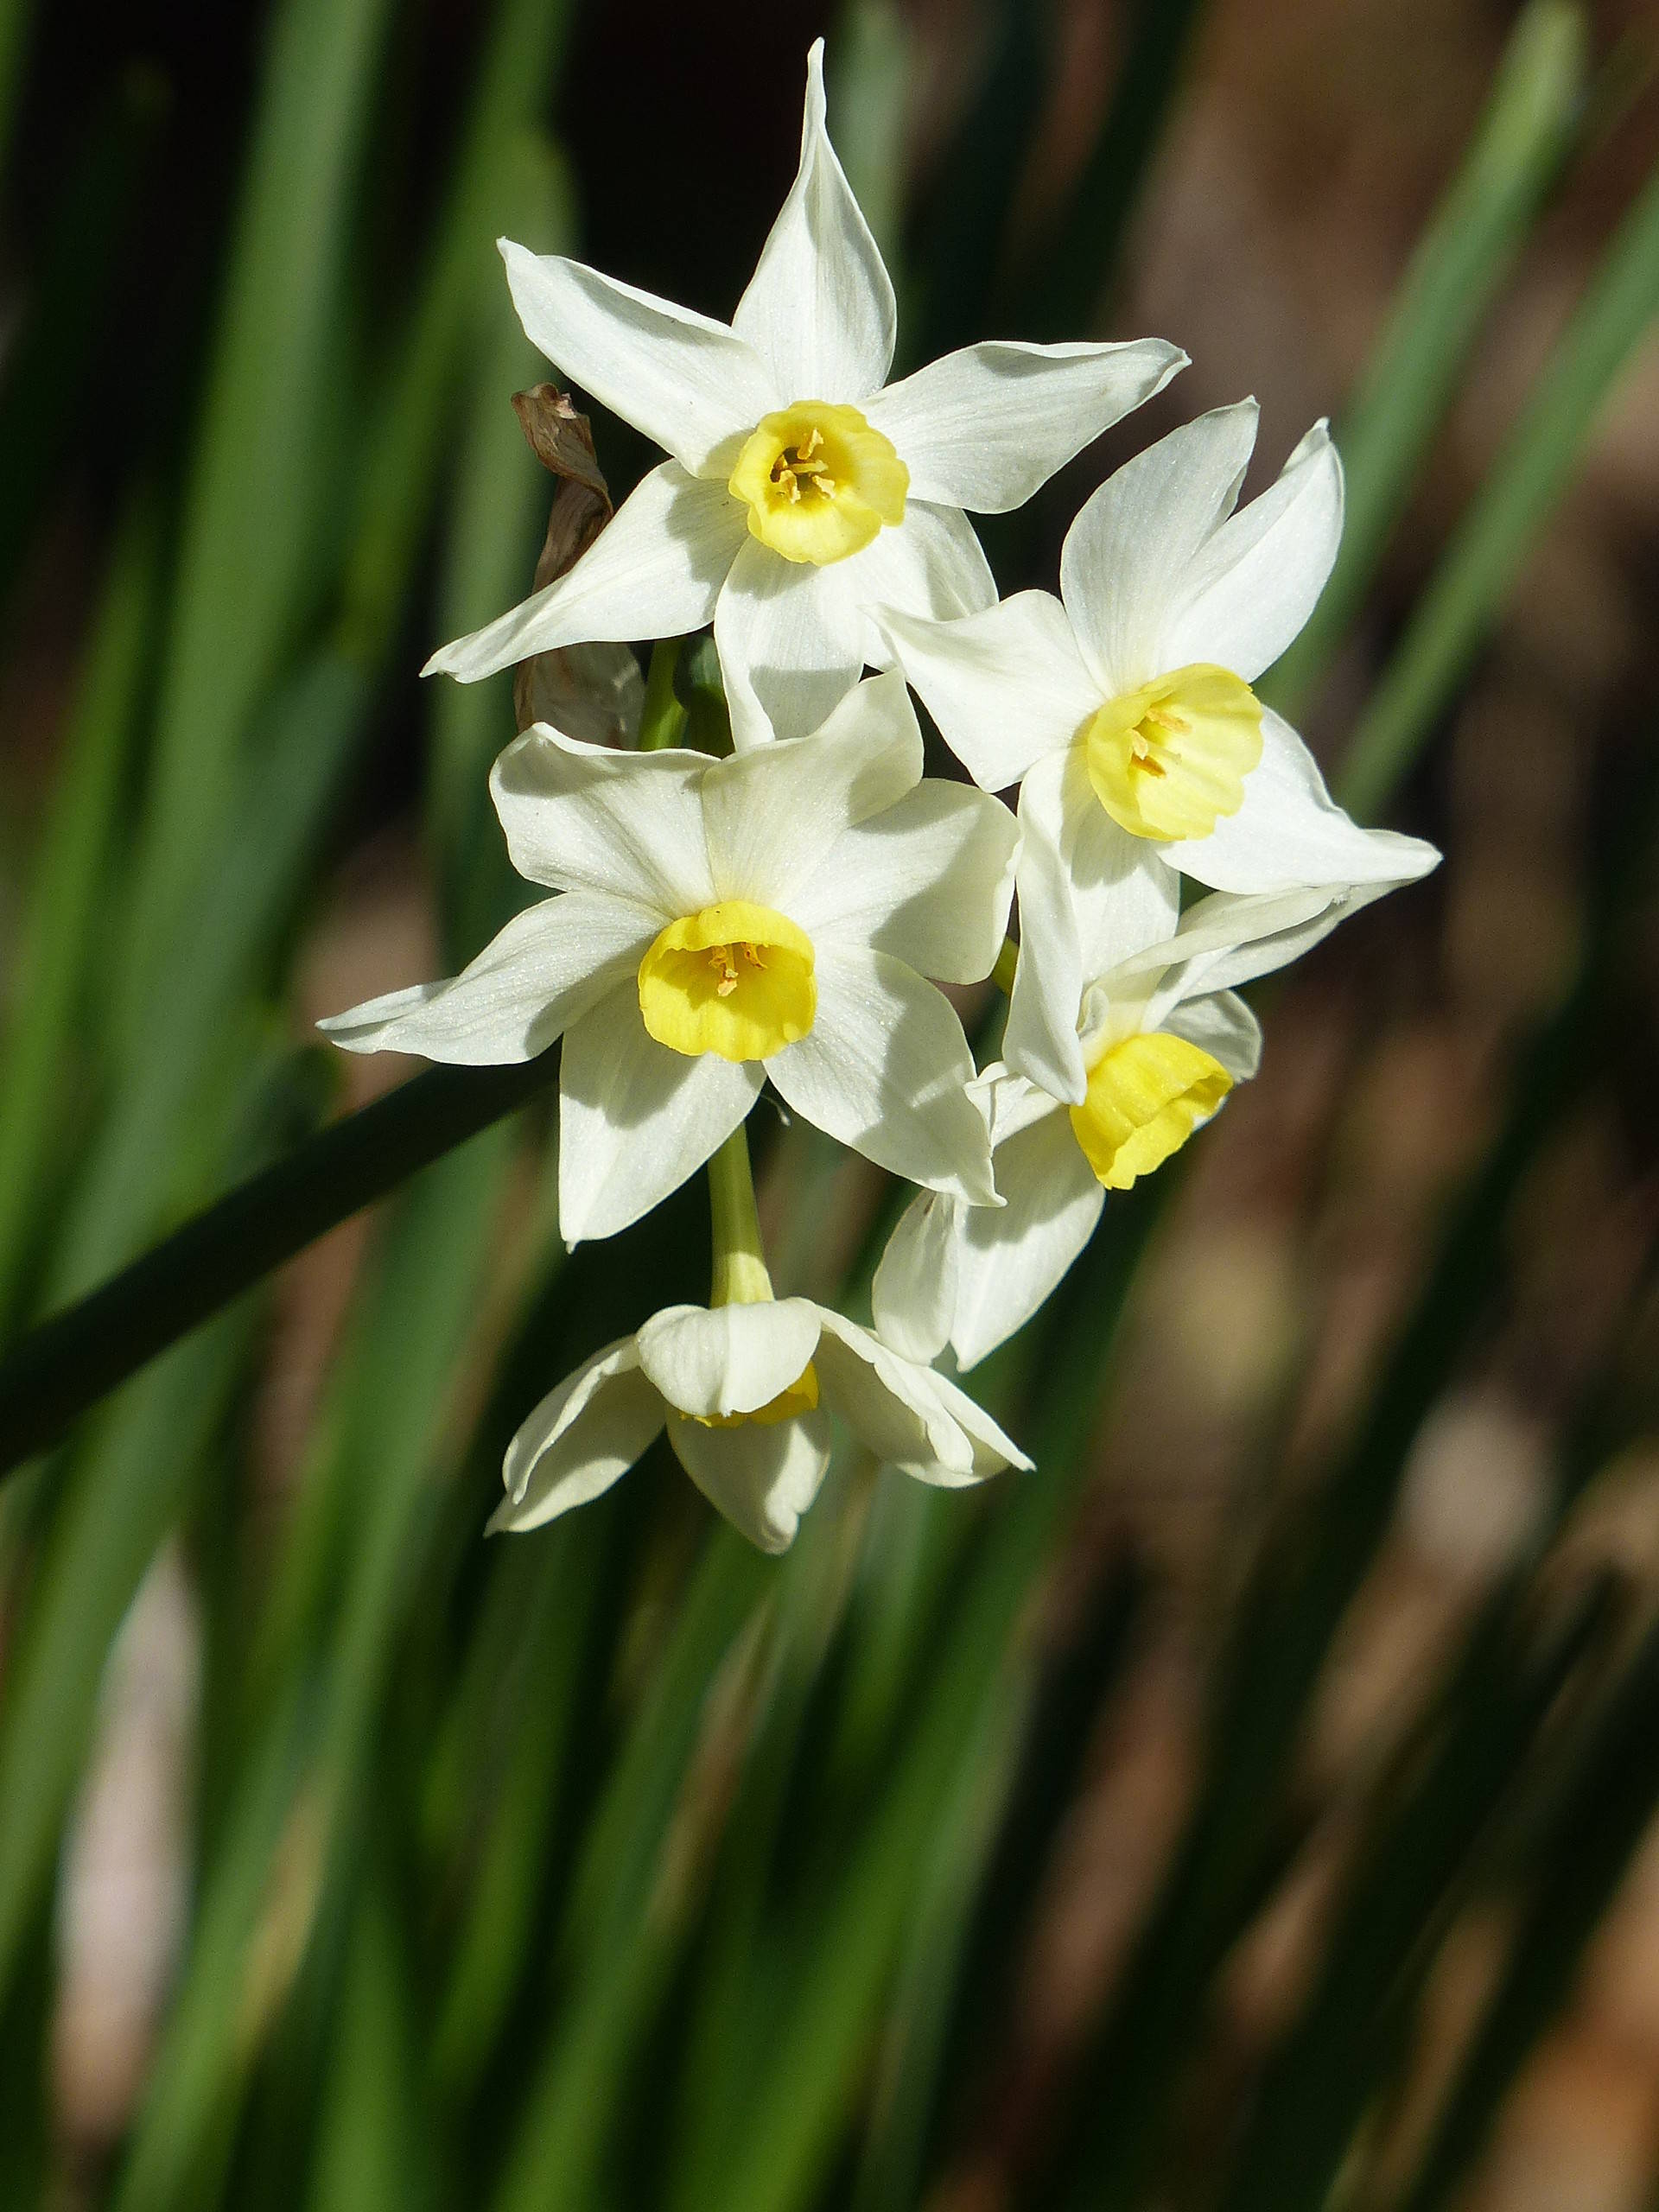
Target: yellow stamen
{"points": [[1145, 1096], [797, 1398], [818, 481], [1170, 760], [736, 979]]}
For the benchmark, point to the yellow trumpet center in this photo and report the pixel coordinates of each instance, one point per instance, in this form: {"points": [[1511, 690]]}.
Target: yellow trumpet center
{"points": [[799, 1396], [1170, 760], [1145, 1096], [818, 481], [734, 979]]}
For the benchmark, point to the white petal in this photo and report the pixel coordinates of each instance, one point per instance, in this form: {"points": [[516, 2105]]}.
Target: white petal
{"points": [[1089, 894], [1126, 557], [654, 571], [1011, 1258], [1006, 687], [630, 823], [931, 566], [1217, 925], [930, 881], [819, 309], [985, 427], [916, 1293], [582, 1437], [1254, 585], [884, 1068], [1224, 1026], [1041, 1039], [791, 644], [1008, 1102], [762, 1476], [772, 813], [690, 383], [913, 1296], [727, 1359], [635, 1119], [540, 973], [1229, 938], [995, 1452], [1289, 831], [888, 1402]]}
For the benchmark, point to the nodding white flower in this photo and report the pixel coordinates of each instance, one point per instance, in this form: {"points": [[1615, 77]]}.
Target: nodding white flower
{"points": [[722, 921], [1162, 1037], [802, 487], [744, 1392], [1123, 709]]}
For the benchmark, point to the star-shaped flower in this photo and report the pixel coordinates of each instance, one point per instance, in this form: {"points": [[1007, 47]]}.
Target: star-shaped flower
{"points": [[744, 1392], [719, 922], [1123, 709], [803, 489], [1162, 1037]]}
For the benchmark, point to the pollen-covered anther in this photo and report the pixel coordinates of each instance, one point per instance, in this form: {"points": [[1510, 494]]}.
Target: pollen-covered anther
{"points": [[818, 481], [1169, 759], [736, 978], [801, 468]]}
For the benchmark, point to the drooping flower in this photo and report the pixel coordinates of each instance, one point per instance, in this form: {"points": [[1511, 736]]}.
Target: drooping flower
{"points": [[802, 488], [1124, 711], [745, 1391], [719, 922], [1162, 1037]]}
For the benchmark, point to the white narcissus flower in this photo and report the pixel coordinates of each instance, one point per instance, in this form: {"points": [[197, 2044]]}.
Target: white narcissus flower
{"points": [[744, 1391], [1124, 711], [802, 488], [722, 921], [1162, 1037]]}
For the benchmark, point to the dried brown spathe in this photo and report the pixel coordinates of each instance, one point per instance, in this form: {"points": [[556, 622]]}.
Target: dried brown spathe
{"points": [[591, 691]]}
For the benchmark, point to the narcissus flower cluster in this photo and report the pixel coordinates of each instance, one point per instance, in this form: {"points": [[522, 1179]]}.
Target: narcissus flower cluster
{"points": [[785, 915]]}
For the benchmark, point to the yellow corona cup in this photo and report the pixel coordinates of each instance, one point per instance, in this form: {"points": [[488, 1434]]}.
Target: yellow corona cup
{"points": [[734, 979], [1145, 1096], [818, 481], [1170, 759]]}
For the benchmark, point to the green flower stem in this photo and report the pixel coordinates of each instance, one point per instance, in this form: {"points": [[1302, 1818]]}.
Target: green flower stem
{"points": [[662, 720], [740, 1277], [1007, 961], [71, 1361]]}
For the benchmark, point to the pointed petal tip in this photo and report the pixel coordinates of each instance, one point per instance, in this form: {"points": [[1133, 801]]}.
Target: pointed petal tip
{"points": [[336, 1028], [1173, 358], [981, 1192], [813, 117], [1249, 408]]}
